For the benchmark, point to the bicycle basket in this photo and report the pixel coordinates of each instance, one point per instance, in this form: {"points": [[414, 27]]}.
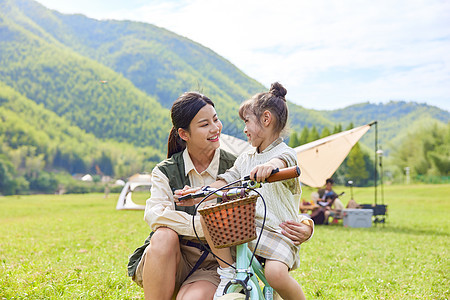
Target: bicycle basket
{"points": [[231, 223]]}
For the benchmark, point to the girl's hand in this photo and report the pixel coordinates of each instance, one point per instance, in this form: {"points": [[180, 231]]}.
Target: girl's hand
{"points": [[297, 232], [261, 172]]}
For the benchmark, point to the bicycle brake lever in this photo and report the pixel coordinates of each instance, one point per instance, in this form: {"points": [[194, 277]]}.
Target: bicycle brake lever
{"points": [[192, 196], [201, 193]]}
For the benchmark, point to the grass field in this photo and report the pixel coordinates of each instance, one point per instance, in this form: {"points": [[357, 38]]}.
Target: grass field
{"points": [[77, 247]]}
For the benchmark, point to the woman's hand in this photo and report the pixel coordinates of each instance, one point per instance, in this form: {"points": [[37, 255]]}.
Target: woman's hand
{"points": [[186, 190], [297, 232]]}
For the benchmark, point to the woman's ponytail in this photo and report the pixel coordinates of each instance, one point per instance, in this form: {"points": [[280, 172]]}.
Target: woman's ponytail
{"points": [[174, 144]]}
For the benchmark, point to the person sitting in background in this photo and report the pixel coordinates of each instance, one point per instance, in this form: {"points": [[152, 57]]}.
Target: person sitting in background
{"points": [[334, 209], [329, 203], [315, 198], [327, 193]]}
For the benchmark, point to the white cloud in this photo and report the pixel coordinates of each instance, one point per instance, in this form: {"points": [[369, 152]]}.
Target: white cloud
{"points": [[327, 53]]}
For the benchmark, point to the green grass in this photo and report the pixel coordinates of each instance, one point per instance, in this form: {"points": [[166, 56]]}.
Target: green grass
{"points": [[77, 247]]}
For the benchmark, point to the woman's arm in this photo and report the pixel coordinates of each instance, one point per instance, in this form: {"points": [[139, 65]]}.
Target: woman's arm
{"points": [[160, 209]]}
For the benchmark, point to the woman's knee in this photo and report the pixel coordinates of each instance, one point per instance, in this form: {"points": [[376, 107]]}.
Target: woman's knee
{"points": [[197, 290], [164, 242]]}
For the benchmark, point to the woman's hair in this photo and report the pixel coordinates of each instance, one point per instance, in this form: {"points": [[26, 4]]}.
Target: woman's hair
{"points": [[183, 110], [273, 101]]}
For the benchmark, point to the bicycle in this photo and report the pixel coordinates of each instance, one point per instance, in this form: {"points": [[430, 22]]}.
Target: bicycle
{"points": [[246, 264]]}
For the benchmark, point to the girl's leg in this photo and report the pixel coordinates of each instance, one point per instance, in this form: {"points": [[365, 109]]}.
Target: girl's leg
{"points": [[160, 265], [197, 290], [223, 253], [277, 274], [225, 271]]}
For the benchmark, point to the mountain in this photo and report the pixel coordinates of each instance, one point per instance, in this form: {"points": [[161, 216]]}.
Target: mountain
{"points": [[395, 118]]}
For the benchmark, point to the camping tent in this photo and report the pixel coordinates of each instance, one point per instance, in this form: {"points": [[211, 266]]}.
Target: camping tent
{"points": [[125, 202], [319, 159]]}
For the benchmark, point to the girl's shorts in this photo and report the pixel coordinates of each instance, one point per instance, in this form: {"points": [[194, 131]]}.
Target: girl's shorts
{"points": [[275, 246]]}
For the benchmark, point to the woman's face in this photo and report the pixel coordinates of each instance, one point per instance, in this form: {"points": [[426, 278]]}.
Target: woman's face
{"points": [[204, 130]]}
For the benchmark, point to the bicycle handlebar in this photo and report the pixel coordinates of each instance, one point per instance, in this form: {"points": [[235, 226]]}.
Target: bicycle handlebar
{"points": [[283, 174], [276, 175]]}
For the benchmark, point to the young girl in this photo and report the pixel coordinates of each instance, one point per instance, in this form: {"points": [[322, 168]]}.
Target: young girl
{"points": [[265, 116]]}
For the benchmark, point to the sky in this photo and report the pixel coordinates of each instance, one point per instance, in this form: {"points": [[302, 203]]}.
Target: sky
{"points": [[328, 54]]}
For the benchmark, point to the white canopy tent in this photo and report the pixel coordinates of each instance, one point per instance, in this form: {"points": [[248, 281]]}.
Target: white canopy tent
{"points": [[319, 159], [138, 180]]}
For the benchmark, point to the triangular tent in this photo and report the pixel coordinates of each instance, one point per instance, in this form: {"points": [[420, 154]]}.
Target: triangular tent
{"points": [[319, 159]]}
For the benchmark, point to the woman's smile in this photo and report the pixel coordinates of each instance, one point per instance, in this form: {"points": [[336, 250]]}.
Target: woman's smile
{"points": [[214, 138]]}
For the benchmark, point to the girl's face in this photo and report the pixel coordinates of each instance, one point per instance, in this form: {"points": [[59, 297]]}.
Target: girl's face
{"points": [[204, 131], [253, 130]]}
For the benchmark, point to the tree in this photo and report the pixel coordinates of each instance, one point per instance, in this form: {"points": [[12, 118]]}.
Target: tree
{"points": [[304, 135], [350, 126], [426, 150], [337, 128], [356, 166], [10, 184], [6, 178], [106, 164], [313, 134], [325, 132], [293, 140]]}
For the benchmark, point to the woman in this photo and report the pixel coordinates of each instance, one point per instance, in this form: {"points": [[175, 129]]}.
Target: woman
{"points": [[174, 260]]}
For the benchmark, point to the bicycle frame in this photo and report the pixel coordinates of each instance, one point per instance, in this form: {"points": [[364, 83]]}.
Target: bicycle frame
{"points": [[246, 264], [245, 276]]}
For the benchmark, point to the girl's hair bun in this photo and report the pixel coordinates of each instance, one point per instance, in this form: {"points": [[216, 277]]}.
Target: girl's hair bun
{"points": [[278, 90]]}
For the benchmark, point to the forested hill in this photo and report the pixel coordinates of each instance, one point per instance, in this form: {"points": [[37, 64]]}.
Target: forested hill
{"points": [[395, 118], [36, 139], [61, 61], [37, 66]]}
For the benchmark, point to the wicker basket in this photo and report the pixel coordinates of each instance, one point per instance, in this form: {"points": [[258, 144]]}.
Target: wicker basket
{"points": [[231, 223]]}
